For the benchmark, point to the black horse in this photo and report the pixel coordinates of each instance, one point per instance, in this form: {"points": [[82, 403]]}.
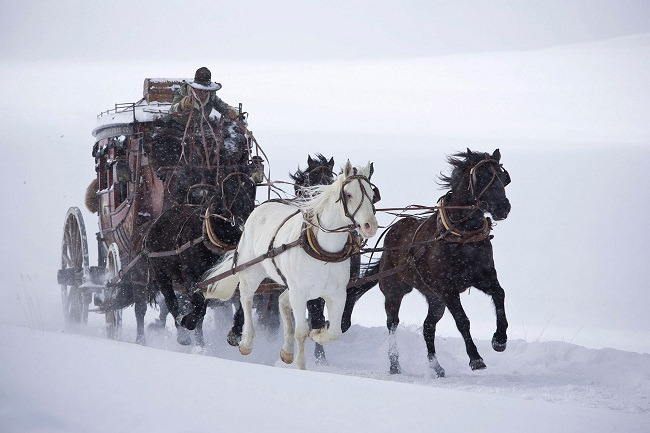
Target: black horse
{"points": [[445, 254], [188, 239]]}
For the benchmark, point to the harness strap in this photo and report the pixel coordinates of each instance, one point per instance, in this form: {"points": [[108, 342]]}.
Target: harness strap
{"points": [[271, 249], [177, 251], [232, 271]]}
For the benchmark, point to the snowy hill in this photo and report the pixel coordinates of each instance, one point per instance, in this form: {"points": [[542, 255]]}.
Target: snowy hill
{"points": [[68, 382]]}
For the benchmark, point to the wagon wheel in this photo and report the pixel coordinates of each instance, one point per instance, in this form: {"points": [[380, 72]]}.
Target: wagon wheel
{"points": [[113, 316], [74, 268]]}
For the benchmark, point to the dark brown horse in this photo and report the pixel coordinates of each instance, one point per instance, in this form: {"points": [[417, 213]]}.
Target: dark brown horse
{"points": [[445, 254], [188, 239]]}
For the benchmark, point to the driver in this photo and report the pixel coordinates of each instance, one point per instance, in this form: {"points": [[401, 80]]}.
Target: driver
{"points": [[199, 95]]}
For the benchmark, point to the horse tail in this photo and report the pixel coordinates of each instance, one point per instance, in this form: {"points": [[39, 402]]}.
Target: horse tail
{"points": [[355, 292], [224, 288]]}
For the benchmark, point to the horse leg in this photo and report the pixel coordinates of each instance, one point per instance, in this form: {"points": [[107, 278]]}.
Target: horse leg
{"points": [[493, 288], [286, 354], [198, 335], [247, 287], [161, 321], [332, 331], [234, 335], [316, 316], [140, 307], [165, 287], [198, 304], [392, 303], [162, 317], [183, 336], [171, 301], [462, 323], [436, 310], [301, 330]]}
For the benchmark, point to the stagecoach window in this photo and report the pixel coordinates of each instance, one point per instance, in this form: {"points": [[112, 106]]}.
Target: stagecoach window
{"points": [[120, 173]]}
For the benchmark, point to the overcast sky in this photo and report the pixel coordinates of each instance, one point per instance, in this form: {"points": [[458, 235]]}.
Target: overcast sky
{"points": [[302, 30]]}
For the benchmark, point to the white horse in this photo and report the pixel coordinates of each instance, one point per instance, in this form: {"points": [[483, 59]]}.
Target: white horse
{"points": [[332, 213]]}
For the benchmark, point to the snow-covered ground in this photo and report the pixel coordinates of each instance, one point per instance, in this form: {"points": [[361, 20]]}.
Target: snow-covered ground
{"points": [[77, 381]]}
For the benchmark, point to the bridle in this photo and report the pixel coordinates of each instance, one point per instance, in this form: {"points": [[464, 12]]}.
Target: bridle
{"points": [[228, 206], [495, 175], [344, 199]]}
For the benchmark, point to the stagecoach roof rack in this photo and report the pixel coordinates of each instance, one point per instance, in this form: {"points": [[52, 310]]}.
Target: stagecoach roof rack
{"points": [[156, 100], [126, 114]]}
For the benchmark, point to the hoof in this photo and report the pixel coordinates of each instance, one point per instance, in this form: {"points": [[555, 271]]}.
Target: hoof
{"points": [[477, 364], [183, 336], [157, 325], [244, 351], [440, 372], [497, 346], [319, 354], [141, 341], [233, 339], [287, 358], [183, 340], [189, 321], [395, 369]]}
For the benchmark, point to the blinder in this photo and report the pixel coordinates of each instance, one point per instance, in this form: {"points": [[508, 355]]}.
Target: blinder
{"points": [[376, 195], [504, 180], [506, 176]]}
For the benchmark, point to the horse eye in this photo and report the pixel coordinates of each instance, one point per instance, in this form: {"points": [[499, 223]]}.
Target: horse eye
{"points": [[349, 195]]}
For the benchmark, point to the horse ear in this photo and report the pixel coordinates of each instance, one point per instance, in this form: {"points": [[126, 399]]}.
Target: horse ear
{"points": [[496, 155], [469, 152], [367, 170], [372, 170], [331, 163], [347, 170], [310, 161]]}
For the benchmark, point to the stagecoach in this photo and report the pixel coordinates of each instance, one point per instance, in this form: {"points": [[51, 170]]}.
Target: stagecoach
{"points": [[137, 154]]}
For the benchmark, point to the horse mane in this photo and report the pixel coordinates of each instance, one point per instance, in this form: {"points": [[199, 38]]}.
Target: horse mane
{"points": [[461, 162], [300, 176], [314, 198]]}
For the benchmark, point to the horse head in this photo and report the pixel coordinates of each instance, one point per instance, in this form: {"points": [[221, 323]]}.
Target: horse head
{"points": [[237, 198], [358, 197], [318, 172], [480, 179], [488, 181]]}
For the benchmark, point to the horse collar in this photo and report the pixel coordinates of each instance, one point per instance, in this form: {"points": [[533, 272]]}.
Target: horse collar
{"points": [[456, 235], [215, 244], [310, 246]]}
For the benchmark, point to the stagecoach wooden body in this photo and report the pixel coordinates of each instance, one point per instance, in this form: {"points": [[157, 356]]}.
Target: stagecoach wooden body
{"points": [[133, 184]]}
